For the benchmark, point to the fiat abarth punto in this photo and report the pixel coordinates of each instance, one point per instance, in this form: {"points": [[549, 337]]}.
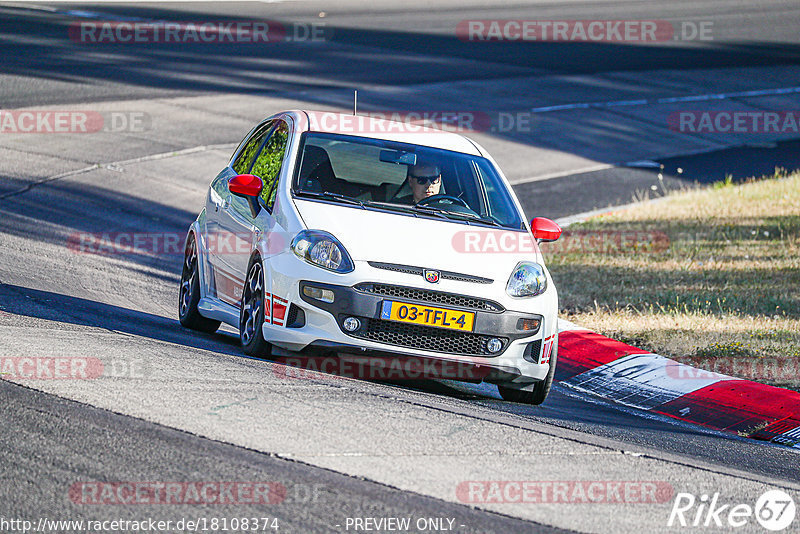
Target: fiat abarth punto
{"points": [[343, 234]]}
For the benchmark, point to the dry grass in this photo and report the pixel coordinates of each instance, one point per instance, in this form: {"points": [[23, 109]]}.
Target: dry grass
{"points": [[710, 277]]}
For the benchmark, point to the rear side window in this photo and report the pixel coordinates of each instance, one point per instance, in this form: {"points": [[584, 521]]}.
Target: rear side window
{"points": [[245, 158], [269, 161]]}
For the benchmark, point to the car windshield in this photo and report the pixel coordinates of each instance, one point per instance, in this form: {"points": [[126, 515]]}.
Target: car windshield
{"points": [[411, 179]]}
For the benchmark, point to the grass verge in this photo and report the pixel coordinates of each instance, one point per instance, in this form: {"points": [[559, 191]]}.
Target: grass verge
{"points": [[708, 277]]}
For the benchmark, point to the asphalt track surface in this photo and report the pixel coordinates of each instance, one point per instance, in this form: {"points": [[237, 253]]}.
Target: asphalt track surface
{"points": [[180, 406]]}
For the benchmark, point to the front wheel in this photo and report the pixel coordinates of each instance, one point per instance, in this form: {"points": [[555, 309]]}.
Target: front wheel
{"points": [[189, 294], [251, 317], [540, 389]]}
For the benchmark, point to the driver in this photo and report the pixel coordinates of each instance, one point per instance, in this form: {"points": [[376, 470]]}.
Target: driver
{"points": [[425, 180]]}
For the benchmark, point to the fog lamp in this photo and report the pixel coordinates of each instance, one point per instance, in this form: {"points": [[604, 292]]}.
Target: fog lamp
{"points": [[494, 345], [351, 324]]}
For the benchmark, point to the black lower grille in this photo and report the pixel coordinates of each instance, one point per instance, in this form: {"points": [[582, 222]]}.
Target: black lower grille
{"points": [[532, 351], [296, 317], [426, 338], [427, 295]]}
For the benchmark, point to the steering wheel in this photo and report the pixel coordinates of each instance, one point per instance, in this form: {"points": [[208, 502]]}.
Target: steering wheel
{"points": [[439, 198]]}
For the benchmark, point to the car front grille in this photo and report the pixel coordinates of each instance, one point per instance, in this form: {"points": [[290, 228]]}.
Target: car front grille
{"points": [[426, 338], [427, 295], [444, 275]]}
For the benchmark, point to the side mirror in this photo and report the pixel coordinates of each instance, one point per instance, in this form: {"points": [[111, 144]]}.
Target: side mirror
{"points": [[544, 229], [245, 185]]}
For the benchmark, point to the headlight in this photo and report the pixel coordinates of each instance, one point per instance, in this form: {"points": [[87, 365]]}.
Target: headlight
{"points": [[323, 250], [527, 280]]}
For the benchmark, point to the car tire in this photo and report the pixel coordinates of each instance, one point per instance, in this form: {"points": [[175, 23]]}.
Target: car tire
{"points": [[189, 292], [251, 314], [540, 389]]}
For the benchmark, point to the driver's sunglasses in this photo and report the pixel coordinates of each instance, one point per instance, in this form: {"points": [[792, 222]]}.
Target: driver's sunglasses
{"points": [[422, 180]]}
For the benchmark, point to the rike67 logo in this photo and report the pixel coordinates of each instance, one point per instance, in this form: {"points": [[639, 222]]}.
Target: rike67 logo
{"points": [[774, 511]]}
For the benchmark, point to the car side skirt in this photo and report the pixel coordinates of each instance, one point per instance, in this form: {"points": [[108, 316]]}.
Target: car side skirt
{"points": [[216, 309]]}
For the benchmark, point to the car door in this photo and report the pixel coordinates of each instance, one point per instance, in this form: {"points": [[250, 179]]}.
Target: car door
{"points": [[238, 222], [222, 211], [270, 166]]}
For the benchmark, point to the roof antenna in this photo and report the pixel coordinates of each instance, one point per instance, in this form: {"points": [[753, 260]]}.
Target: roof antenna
{"points": [[355, 101]]}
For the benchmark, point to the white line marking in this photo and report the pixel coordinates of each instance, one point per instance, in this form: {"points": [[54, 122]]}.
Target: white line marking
{"points": [[561, 174], [644, 163], [669, 100], [118, 165]]}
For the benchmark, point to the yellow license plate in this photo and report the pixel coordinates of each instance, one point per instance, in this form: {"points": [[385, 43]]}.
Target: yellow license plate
{"points": [[427, 315]]}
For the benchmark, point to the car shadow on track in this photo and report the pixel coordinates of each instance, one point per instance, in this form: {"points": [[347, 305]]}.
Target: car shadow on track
{"points": [[47, 305]]}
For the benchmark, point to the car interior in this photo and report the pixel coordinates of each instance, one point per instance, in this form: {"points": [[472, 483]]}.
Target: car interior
{"points": [[317, 175], [376, 172]]}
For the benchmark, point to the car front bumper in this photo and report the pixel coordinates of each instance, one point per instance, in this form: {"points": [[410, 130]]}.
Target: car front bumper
{"points": [[522, 360]]}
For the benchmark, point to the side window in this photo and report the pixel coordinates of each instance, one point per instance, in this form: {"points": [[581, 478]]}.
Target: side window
{"points": [[245, 159], [268, 165]]}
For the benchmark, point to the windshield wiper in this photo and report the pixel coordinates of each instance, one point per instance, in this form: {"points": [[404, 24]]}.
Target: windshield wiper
{"points": [[414, 210], [330, 196], [402, 208], [489, 221], [433, 211], [458, 216]]}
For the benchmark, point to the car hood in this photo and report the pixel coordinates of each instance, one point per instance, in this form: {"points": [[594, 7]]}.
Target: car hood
{"points": [[378, 236]]}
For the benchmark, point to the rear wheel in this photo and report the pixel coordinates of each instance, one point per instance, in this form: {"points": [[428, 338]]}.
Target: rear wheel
{"points": [[251, 317], [540, 389], [189, 294]]}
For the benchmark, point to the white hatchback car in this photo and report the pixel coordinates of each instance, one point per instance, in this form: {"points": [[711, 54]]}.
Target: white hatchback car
{"points": [[346, 235]]}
